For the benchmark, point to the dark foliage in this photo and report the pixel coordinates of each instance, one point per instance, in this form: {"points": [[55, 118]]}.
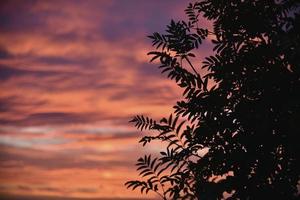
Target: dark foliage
{"points": [[240, 136]]}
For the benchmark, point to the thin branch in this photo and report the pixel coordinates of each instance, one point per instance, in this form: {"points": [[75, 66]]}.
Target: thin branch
{"points": [[205, 87], [160, 195], [192, 66], [208, 31]]}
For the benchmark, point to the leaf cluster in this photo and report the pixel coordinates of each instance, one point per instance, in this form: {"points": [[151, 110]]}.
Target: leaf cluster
{"points": [[240, 135]]}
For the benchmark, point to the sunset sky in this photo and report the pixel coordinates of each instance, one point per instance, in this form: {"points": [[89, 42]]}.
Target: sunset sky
{"points": [[72, 74]]}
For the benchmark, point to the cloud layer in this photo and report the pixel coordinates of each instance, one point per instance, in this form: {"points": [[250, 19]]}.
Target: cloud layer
{"points": [[72, 73]]}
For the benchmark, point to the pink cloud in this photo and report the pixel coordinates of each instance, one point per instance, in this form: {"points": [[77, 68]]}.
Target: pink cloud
{"points": [[71, 76]]}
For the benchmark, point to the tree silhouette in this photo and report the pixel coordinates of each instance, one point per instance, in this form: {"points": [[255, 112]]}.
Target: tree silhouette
{"points": [[239, 136]]}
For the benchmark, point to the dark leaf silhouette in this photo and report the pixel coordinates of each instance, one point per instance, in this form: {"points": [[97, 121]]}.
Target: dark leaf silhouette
{"points": [[235, 132]]}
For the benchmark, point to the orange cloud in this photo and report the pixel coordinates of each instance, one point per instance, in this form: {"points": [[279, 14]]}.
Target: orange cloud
{"points": [[71, 77]]}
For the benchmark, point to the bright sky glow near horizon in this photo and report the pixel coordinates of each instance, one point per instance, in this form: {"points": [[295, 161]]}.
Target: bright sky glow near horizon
{"points": [[72, 74]]}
